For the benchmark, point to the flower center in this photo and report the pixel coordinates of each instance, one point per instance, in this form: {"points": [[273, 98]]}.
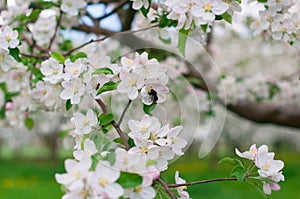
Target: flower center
{"points": [[207, 7], [103, 182], [143, 150], [138, 189], [8, 38], [132, 82], [1, 57]]}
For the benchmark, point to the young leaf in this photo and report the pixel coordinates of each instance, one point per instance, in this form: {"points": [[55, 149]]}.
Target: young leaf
{"points": [[109, 86], [14, 52], [239, 172], [129, 180], [77, 56], [182, 37], [68, 104], [29, 123], [145, 11], [106, 119], [149, 108], [231, 161], [104, 71], [227, 17], [59, 57]]}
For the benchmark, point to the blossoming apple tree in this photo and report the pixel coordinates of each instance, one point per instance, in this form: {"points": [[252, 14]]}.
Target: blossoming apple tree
{"points": [[43, 70]]}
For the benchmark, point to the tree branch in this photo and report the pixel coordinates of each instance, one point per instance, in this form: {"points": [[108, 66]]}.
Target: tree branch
{"points": [[56, 29], [114, 123], [116, 8], [201, 182], [167, 188], [124, 111]]}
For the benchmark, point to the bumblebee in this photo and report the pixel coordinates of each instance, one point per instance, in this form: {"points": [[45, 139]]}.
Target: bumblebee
{"points": [[153, 95]]}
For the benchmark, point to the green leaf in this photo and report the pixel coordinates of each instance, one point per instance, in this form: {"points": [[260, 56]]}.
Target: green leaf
{"points": [[68, 105], [105, 71], [109, 86], [227, 17], [130, 142], [59, 57], [129, 180], [77, 56], [29, 123], [204, 28], [231, 161], [34, 15], [145, 11], [239, 172], [14, 52], [106, 119], [149, 108], [182, 37]]}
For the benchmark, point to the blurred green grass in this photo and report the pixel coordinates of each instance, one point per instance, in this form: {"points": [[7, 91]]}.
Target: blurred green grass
{"points": [[28, 179]]}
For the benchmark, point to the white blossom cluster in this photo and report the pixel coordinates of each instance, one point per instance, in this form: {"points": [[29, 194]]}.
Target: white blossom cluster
{"points": [[279, 22], [144, 75], [192, 13], [8, 39], [268, 169], [153, 147], [259, 88]]}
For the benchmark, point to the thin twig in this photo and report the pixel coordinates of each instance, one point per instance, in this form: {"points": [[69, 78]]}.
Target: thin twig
{"points": [[43, 57], [124, 111], [108, 36], [56, 29], [33, 44], [114, 123], [121, 4], [201, 182], [167, 188]]}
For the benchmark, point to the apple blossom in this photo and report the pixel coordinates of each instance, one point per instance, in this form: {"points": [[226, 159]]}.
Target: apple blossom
{"points": [[6, 61], [73, 90], [9, 37], [71, 7], [103, 181], [52, 70], [84, 123], [138, 4], [180, 190]]}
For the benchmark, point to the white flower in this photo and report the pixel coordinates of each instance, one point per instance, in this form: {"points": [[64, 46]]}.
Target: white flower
{"points": [[180, 190], [154, 93], [251, 154], [140, 192], [9, 37], [84, 123], [161, 155], [268, 187], [142, 129], [52, 70], [73, 90], [90, 147], [138, 4], [175, 142], [71, 7], [130, 84], [73, 69], [44, 93], [6, 61], [207, 9], [103, 181], [130, 162], [77, 172]]}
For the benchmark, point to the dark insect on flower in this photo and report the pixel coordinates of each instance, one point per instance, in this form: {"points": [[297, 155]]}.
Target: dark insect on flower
{"points": [[153, 95]]}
